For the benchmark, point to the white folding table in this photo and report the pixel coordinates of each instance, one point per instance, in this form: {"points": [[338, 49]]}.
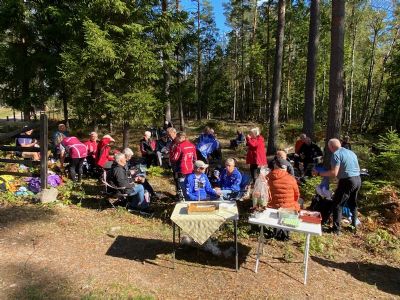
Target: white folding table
{"points": [[269, 218]]}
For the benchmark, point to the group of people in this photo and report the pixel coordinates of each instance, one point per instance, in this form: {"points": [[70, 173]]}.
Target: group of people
{"points": [[189, 163]]}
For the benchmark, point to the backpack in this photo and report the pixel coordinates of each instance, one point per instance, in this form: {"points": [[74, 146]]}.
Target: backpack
{"points": [[322, 205]]}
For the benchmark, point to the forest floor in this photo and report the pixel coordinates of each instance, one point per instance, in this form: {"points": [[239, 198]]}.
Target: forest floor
{"points": [[92, 251]]}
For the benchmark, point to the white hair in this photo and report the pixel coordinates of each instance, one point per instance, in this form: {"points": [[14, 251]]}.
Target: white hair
{"points": [[118, 156], [127, 152], [230, 161], [255, 131], [147, 134]]}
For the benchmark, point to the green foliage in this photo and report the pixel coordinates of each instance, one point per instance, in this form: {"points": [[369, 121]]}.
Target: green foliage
{"points": [[381, 241], [156, 171], [307, 190], [71, 193], [387, 163]]}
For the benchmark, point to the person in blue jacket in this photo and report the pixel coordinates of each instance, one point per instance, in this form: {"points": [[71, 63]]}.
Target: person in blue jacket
{"points": [[198, 186], [230, 180]]}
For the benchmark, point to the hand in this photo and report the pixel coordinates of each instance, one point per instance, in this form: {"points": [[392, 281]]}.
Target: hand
{"points": [[219, 192]]}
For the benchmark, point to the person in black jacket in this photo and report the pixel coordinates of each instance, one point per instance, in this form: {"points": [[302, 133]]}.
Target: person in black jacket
{"points": [[308, 152], [119, 177], [148, 149]]}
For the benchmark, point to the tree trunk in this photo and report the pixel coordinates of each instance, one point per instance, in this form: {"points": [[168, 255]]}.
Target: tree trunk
{"points": [[312, 60], [267, 59], [369, 82], [198, 87], [335, 108], [167, 77], [276, 87], [353, 47], [125, 135], [378, 93], [64, 98]]}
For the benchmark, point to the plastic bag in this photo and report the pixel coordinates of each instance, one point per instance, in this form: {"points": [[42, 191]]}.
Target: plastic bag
{"points": [[261, 193]]}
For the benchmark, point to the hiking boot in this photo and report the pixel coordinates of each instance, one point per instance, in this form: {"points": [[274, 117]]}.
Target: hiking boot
{"points": [[146, 212]]}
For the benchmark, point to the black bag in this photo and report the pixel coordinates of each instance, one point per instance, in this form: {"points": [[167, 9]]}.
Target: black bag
{"points": [[322, 205]]}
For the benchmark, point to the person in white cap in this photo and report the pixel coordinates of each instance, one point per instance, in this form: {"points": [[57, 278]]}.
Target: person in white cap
{"points": [[103, 158], [198, 186]]}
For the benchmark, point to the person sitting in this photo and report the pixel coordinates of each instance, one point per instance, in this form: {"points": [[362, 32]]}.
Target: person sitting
{"points": [[104, 159], [308, 152], [282, 155], [76, 152], [346, 142], [238, 140], [148, 149], [162, 148], [136, 173], [26, 142], [57, 137], [91, 146], [119, 177], [230, 180], [300, 142], [198, 186], [284, 189]]}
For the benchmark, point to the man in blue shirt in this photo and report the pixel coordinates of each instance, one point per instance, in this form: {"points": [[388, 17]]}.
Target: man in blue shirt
{"points": [[198, 186], [230, 179], [344, 166]]}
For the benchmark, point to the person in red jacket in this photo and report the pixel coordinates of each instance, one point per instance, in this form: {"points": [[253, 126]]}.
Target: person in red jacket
{"points": [[184, 155], [76, 152], [91, 146], [103, 158], [283, 186], [256, 154]]}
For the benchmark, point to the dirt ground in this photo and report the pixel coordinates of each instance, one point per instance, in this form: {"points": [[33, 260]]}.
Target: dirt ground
{"points": [[67, 252], [71, 252]]}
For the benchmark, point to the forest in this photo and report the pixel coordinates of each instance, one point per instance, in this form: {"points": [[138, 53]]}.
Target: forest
{"points": [[129, 63]]}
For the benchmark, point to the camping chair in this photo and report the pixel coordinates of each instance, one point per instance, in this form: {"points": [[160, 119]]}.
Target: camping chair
{"points": [[112, 193], [181, 189]]}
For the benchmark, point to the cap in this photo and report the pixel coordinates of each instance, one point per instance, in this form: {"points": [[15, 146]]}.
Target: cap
{"points": [[107, 136], [200, 164], [281, 163]]}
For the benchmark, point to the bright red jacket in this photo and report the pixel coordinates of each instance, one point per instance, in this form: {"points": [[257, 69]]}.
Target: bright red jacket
{"points": [[256, 151], [74, 147], [172, 150], [184, 156], [103, 152], [284, 190], [91, 148]]}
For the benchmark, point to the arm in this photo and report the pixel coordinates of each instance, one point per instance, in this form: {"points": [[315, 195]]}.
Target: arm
{"points": [[252, 142], [208, 188], [189, 184], [333, 172], [121, 179], [296, 191], [176, 154], [238, 180]]}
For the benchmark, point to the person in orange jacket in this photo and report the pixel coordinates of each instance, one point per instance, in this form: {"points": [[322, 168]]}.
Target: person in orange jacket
{"points": [[283, 186]]}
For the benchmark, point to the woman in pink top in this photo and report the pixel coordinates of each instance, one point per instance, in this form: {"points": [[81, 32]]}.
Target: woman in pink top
{"points": [[76, 151]]}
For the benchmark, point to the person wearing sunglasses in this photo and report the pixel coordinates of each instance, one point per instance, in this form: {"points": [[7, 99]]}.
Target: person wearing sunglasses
{"points": [[198, 186]]}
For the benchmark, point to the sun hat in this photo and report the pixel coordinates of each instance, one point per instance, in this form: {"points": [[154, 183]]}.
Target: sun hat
{"points": [[107, 136], [200, 164]]}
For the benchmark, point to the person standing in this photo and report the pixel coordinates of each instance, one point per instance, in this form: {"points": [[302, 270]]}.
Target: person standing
{"points": [[184, 155], [344, 166], [148, 149], [256, 155], [77, 153]]}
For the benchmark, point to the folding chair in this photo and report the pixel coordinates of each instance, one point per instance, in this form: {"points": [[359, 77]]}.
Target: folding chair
{"points": [[112, 193]]}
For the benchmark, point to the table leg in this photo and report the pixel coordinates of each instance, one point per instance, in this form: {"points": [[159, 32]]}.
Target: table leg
{"points": [[173, 244], [260, 240], [236, 246], [306, 250]]}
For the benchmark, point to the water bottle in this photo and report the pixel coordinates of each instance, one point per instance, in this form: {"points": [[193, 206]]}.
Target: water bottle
{"points": [[146, 196]]}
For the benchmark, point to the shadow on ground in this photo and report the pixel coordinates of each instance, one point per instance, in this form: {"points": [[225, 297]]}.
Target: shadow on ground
{"points": [[385, 278], [18, 215], [147, 250], [25, 281]]}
